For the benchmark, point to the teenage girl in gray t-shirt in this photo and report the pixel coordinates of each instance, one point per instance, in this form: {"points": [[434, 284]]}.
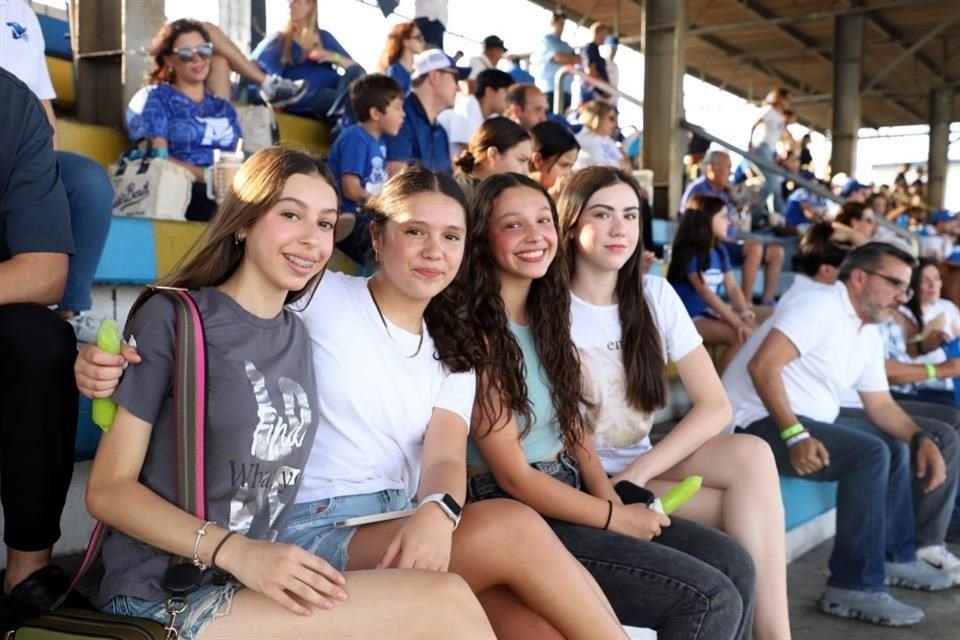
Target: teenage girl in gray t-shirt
{"points": [[266, 248]]}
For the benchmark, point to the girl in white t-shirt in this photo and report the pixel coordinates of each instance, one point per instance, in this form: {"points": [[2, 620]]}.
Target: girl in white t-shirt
{"points": [[627, 326], [395, 392], [527, 440], [930, 312]]}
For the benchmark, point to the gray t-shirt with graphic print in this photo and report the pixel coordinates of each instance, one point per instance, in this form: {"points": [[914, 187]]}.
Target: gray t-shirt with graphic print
{"points": [[261, 404]]}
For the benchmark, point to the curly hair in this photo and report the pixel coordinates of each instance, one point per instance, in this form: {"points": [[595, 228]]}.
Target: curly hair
{"points": [[643, 362], [394, 47], [501, 372], [162, 45], [444, 314]]}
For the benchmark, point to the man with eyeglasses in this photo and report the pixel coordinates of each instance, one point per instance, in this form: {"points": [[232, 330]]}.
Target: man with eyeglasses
{"points": [[785, 387]]}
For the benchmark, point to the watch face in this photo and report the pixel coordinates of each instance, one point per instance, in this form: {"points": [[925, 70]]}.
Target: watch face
{"points": [[452, 504]]}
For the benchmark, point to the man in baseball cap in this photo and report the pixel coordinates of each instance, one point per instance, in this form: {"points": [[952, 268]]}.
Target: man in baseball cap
{"points": [[421, 140], [493, 50]]}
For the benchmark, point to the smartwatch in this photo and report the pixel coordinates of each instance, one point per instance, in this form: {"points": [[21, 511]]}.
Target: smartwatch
{"points": [[446, 502]]}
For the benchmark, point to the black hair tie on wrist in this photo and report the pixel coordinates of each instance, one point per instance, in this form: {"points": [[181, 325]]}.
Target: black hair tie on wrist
{"points": [[213, 558], [606, 525]]}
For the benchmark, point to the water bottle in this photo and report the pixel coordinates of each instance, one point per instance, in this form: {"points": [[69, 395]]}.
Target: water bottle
{"points": [[104, 410]]}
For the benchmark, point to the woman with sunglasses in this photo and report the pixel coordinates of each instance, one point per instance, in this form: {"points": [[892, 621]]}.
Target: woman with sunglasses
{"points": [[403, 42], [178, 114], [858, 217], [596, 139]]}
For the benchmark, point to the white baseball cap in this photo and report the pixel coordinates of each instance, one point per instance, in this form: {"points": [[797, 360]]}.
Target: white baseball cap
{"points": [[435, 60]]}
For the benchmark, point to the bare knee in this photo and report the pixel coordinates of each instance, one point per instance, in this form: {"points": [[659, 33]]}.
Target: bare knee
{"points": [[775, 254], [752, 250], [506, 518]]}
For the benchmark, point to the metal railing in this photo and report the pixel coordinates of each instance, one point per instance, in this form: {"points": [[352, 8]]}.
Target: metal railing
{"points": [[570, 70], [813, 186]]}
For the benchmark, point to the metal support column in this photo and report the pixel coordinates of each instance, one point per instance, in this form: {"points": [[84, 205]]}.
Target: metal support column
{"points": [[847, 68], [111, 35], [941, 101], [663, 139]]}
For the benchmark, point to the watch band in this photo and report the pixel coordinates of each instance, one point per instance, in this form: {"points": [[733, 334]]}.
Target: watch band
{"points": [[447, 503]]}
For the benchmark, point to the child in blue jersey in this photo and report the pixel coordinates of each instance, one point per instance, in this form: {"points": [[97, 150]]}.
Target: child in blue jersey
{"points": [[699, 266], [358, 158]]}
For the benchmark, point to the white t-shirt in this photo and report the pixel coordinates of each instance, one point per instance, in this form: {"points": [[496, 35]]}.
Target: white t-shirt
{"points": [[461, 122], [596, 150], [837, 351], [374, 401], [803, 283], [478, 64], [950, 314], [768, 131], [622, 433], [22, 48], [431, 10]]}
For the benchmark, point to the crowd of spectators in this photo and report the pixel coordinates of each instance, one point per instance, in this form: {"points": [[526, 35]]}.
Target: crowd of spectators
{"points": [[846, 377]]}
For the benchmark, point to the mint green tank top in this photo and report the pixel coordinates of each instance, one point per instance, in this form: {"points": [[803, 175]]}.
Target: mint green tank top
{"points": [[543, 440]]}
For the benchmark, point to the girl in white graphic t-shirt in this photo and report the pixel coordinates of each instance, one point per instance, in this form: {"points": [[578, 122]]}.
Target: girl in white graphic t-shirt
{"points": [[627, 326]]}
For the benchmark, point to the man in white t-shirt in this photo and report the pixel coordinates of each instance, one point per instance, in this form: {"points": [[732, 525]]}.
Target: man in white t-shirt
{"points": [[764, 135], [493, 50], [784, 387], [468, 113]]}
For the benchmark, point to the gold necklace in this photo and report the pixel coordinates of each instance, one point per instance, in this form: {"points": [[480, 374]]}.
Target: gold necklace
{"points": [[387, 327]]}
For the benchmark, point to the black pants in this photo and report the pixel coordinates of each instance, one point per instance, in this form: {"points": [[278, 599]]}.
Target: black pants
{"points": [[38, 423]]}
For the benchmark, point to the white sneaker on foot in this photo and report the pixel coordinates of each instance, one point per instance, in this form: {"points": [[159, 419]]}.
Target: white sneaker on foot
{"points": [[279, 91], [940, 558]]}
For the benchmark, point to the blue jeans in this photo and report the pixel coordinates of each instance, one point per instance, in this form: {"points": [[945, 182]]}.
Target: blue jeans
{"points": [[327, 102], [933, 511], [874, 506], [90, 197], [207, 603], [936, 396], [691, 582]]}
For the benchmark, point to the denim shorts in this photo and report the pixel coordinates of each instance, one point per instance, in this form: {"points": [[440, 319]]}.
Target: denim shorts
{"points": [[208, 602], [310, 524], [484, 486]]}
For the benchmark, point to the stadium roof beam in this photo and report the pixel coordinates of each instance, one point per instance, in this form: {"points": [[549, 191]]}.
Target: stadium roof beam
{"points": [[806, 17], [888, 30]]}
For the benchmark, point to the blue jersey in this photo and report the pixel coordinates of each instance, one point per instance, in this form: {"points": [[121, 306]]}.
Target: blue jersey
{"points": [[399, 73], [192, 129], [358, 153], [712, 275]]}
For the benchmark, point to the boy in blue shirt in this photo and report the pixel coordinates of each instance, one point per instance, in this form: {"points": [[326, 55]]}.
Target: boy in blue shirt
{"points": [[358, 158]]}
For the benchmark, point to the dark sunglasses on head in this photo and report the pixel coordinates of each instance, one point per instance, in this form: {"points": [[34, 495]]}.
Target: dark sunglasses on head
{"points": [[186, 54]]}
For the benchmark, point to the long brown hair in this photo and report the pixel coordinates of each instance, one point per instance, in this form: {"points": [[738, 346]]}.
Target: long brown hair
{"points": [[694, 238], [162, 45], [643, 363], [455, 345], [257, 186], [289, 34], [394, 47], [500, 374]]}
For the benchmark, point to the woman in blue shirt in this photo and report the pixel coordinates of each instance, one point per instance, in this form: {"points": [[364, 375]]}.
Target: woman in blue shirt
{"points": [[304, 51], [403, 42], [178, 114]]}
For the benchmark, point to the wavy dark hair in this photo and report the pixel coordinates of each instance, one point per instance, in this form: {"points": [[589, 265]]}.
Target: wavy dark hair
{"points": [[500, 374], [851, 211], [455, 345], [162, 45], [915, 304], [817, 247], [498, 133], [551, 140], [643, 361], [694, 237]]}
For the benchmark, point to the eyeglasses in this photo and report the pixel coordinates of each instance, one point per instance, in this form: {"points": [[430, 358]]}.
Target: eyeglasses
{"points": [[186, 54], [903, 288]]}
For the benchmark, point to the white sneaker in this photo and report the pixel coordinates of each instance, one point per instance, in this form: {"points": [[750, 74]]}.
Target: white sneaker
{"points": [[85, 326], [280, 91], [940, 558]]}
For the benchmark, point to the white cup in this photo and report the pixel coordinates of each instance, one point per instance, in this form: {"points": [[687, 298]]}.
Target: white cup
{"points": [[225, 167]]}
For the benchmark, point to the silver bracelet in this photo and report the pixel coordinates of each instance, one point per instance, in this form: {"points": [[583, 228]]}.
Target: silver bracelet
{"points": [[800, 437], [202, 531]]}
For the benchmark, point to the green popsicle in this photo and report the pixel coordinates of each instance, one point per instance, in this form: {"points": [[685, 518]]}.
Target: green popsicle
{"points": [[679, 494], [105, 409]]}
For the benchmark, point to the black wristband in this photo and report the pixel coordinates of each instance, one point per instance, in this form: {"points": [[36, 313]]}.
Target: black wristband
{"points": [[213, 558], [606, 525]]}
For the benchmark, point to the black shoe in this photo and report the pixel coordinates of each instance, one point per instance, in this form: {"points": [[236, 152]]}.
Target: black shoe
{"points": [[36, 595]]}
